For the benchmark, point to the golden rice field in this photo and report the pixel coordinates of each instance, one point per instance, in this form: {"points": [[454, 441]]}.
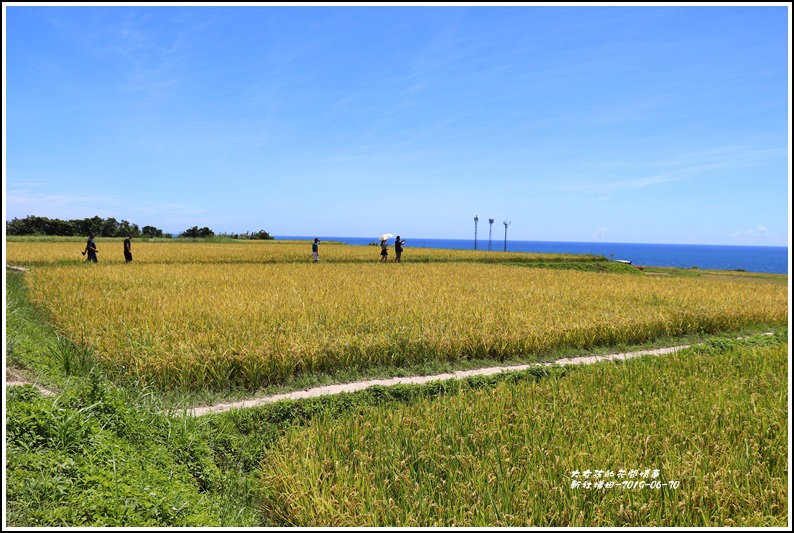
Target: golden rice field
{"points": [[67, 251], [200, 316], [686, 440]]}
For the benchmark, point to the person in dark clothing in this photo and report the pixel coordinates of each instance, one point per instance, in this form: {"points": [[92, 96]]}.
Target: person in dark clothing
{"points": [[316, 250], [128, 249], [90, 249], [398, 248]]}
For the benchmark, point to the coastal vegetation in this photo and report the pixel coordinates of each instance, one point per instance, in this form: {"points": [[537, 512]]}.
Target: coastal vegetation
{"points": [[129, 349], [103, 227], [109, 227]]}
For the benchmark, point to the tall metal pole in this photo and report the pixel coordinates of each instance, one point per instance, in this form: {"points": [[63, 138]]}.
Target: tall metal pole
{"points": [[490, 230], [475, 231], [506, 223]]}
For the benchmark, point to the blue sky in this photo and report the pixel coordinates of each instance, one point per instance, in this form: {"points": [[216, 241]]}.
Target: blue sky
{"points": [[651, 124]]}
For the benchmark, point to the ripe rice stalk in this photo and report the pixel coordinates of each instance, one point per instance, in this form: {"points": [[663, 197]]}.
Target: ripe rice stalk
{"points": [[708, 429], [252, 324]]}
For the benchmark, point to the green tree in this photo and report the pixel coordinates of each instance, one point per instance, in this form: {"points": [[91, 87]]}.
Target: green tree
{"points": [[89, 225], [261, 235], [34, 225], [126, 228], [151, 231], [197, 233]]}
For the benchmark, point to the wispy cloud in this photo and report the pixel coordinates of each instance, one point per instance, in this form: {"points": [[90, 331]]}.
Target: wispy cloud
{"points": [[22, 200], [635, 183], [673, 167], [758, 230], [170, 209], [755, 235], [20, 204]]}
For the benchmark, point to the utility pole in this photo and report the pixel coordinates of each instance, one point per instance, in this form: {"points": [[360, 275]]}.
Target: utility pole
{"points": [[506, 223], [475, 231], [490, 231]]}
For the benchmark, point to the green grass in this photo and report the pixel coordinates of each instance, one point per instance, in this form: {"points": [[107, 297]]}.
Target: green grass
{"points": [[595, 265], [29, 336], [99, 456]]}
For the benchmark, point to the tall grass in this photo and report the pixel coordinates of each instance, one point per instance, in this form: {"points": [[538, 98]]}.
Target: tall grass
{"points": [[199, 326], [706, 433]]}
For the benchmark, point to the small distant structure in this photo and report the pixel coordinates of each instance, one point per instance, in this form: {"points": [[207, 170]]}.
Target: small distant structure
{"points": [[490, 230], [476, 218], [506, 223]]}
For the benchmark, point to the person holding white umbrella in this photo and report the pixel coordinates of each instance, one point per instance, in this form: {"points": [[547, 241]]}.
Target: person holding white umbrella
{"points": [[384, 246]]}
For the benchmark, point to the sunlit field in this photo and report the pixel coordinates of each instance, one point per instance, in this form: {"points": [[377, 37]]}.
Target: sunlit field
{"points": [[258, 315], [692, 439], [26, 251], [698, 438]]}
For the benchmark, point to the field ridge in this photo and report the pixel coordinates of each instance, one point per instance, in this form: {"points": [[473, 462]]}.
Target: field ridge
{"points": [[354, 386]]}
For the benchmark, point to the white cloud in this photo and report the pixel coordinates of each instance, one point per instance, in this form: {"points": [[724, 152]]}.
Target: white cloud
{"points": [[675, 168], [20, 204], [760, 233], [165, 215]]}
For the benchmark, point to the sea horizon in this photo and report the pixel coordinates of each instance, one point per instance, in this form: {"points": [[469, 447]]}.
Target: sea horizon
{"points": [[750, 258]]}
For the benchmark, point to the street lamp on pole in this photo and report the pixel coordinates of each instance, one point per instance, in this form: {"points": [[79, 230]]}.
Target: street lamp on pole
{"points": [[475, 231], [506, 223]]}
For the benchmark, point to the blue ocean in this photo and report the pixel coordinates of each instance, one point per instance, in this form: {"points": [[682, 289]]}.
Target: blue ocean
{"points": [[767, 259]]}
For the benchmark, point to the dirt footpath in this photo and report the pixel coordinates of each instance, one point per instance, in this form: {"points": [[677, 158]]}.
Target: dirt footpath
{"points": [[14, 377], [361, 385]]}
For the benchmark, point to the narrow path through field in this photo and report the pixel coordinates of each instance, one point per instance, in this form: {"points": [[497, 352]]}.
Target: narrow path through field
{"points": [[361, 385], [16, 378]]}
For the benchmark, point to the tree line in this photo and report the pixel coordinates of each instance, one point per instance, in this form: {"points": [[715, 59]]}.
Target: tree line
{"points": [[109, 227], [198, 233], [102, 227]]}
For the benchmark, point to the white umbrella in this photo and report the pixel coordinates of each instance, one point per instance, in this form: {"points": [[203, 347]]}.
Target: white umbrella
{"points": [[385, 237]]}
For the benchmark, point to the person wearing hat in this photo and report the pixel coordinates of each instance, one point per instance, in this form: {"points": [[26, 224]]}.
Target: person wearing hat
{"points": [[398, 248], [90, 248], [316, 250]]}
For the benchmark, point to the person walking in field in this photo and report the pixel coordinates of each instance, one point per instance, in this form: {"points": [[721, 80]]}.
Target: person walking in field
{"points": [[316, 250], [384, 251], [90, 248], [398, 248], [128, 249]]}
